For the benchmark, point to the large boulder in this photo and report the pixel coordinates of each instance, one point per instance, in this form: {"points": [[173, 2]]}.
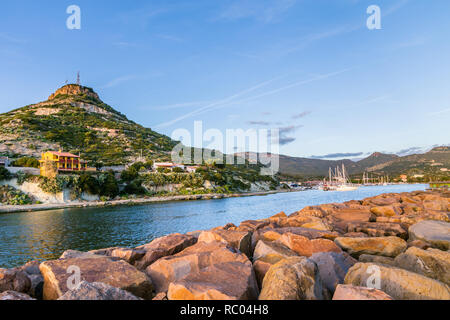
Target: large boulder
{"points": [[262, 266], [381, 246], [58, 274], [437, 233], [378, 229], [305, 247], [97, 291], [14, 280], [432, 263], [224, 281], [191, 261], [332, 267], [13, 295], [295, 278], [33, 273], [275, 249], [398, 283], [349, 292], [127, 254], [385, 211], [162, 247], [240, 240]]}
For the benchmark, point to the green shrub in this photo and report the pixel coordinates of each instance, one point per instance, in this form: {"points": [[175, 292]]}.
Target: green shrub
{"points": [[26, 162], [4, 174]]}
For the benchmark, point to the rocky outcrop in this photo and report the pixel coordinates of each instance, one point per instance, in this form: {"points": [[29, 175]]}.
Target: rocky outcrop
{"points": [[240, 240], [349, 292], [59, 274], [432, 263], [332, 268], [162, 247], [437, 233], [14, 280], [305, 247], [191, 261], [97, 291], [13, 295], [295, 278], [382, 246], [73, 90], [224, 281], [398, 283]]}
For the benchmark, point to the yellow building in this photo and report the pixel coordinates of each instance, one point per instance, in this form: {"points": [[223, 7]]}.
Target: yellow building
{"points": [[62, 162]]}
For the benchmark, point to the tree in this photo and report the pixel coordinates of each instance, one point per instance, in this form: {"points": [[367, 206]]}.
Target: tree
{"points": [[109, 187], [4, 174], [89, 184]]}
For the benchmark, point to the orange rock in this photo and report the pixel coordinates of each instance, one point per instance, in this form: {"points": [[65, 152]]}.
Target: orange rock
{"points": [[305, 247], [349, 292], [164, 246], [385, 211], [191, 260], [225, 281], [240, 240]]}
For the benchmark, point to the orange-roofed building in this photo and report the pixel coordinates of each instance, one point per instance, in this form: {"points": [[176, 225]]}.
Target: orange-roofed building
{"points": [[64, 162]]}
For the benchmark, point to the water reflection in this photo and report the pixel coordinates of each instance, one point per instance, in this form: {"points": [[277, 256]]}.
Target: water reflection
{"points": [[45, 235]]}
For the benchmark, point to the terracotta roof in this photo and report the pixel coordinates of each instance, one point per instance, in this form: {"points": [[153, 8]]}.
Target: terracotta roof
{"points": [[64, 154]]}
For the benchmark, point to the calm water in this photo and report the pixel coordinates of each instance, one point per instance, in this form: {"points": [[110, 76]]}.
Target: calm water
{"points": [[45, 235]]}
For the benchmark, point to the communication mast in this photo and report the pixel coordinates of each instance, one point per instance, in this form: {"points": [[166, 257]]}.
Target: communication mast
{"points": [[78, 79]]}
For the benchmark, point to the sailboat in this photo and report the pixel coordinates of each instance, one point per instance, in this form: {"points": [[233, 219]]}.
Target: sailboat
{"points": [[338, 181]]}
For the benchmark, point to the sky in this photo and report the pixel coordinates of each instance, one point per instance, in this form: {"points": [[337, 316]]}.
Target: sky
{"points": [[309, 68]]}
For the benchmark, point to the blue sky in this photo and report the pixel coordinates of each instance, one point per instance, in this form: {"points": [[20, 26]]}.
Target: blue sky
{"points": [[308, 67]]}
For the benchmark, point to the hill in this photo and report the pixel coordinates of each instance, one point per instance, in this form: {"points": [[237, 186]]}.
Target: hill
{"points": [[75, 119]]}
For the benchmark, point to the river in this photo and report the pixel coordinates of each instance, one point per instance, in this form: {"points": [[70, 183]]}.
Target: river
{"points": [[45, 235]]}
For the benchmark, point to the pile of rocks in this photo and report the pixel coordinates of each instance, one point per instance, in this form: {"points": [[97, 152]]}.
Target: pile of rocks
{"points": [[392, 246]]}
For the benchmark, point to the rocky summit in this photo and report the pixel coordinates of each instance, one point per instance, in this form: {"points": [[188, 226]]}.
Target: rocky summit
{"points": [[377, 248]]}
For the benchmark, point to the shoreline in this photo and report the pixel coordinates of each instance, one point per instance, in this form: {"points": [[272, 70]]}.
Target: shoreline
{"points": [[131, 202]]}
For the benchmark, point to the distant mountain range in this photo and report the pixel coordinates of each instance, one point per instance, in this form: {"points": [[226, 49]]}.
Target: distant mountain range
{"points": [[433, 162]]}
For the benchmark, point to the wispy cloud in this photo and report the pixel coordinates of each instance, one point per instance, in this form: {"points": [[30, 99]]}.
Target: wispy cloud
{"points": [[177, 105], [232, 99], [338, 155], [301, 115], [259, 123], [286, 132], [12, 39]]}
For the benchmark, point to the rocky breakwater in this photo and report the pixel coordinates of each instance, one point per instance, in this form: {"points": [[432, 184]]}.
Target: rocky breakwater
{"points": [[392, 246]]}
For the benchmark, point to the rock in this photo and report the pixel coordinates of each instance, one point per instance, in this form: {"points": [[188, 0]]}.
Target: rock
{"points": [[378, 229], [240, 240], [332, 267], [437, 233], [59, 273], [382, 246], [162, 247], [72, 254], [305, 247], [264, 248], [419, 244], [33, 273], [97, 291], [14, 280], [225, 281], [270, 234], [253, 225], [377, 259], [349, 292], [280, 215], [317, 225], [355, 235], [384, 211], [191, 260], [161, 296], [400, 284], [126, 254], [13, 295], [295, 278], [262, 266], [432, 263]]}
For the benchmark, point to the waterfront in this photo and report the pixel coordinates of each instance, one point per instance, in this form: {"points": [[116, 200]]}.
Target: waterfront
{"points": [[45, 235]]}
